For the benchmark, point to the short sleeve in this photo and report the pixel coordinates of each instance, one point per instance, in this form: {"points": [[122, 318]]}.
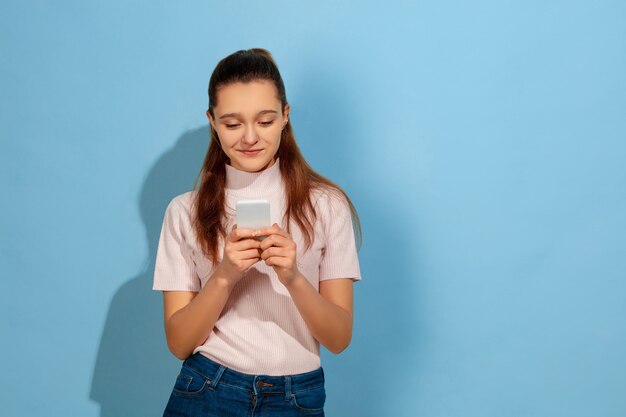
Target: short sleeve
{"points": [[339, 256], [174, 267]]}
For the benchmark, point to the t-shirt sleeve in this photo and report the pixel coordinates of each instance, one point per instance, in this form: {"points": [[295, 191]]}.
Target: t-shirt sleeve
{"points": [[174, 267], [339, 257]]}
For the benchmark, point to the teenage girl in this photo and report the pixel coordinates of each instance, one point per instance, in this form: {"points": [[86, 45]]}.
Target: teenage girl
{"points": [[246, 309]]}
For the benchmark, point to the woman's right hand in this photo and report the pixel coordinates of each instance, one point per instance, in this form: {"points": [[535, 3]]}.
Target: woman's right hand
{"points": [[241, 251]]}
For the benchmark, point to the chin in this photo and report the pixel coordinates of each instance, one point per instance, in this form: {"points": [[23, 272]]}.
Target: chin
{"points": [[252, 165], [263, 165]]}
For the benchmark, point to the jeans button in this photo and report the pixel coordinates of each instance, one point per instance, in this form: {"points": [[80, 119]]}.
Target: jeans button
{"points": [[259, 384]]}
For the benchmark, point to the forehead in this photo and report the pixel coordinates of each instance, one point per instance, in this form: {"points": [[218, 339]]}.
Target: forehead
{"points": [[249, 97]]}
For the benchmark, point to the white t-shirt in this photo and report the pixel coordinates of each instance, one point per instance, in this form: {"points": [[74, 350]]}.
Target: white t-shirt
{"points": [[260, 330]]}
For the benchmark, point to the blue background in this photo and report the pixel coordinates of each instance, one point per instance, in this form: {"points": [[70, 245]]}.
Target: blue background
{"points": [[483, 144]]}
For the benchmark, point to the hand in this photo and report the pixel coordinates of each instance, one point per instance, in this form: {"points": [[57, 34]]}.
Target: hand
{"points": [[278, 250], [241, 251]]}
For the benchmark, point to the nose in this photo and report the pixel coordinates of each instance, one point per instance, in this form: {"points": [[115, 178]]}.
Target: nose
{"points": [[250, 135]]}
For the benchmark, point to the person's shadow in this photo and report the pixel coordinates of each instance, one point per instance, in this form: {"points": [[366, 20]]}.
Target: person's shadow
{"points": [[134, 371]]}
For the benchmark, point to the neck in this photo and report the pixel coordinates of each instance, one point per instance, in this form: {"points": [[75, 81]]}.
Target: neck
{"points": [[254, 184]]}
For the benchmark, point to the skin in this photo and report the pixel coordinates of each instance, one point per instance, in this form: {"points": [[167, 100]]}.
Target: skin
{"points": [[249, 116]]}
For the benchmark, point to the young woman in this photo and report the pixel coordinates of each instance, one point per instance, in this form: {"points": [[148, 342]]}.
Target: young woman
{"points": [[246, 309]]}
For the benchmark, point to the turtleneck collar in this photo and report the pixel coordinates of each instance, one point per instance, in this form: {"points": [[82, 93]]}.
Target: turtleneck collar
{"points": [[254, 184]]}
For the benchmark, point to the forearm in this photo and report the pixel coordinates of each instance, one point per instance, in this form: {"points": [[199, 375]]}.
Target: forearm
{"points": [[190, 326], [329, 324]]}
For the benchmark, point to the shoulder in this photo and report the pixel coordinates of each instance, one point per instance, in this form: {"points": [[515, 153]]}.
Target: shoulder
{"points": [[181, 205], [328, 195], [328, 200], [182, 201]]}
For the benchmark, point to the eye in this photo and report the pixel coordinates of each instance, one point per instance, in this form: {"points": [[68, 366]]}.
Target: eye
{"points": [[232, 125], [268, 123]]}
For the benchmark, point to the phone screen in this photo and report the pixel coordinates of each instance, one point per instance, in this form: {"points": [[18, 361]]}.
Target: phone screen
{"points": [[253, 214]]}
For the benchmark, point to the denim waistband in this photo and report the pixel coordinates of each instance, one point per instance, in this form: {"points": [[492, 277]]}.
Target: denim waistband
{"points": [[258, 384]]}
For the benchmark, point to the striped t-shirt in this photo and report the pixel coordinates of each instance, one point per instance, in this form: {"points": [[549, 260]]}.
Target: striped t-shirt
{"points": [[260, 330]]}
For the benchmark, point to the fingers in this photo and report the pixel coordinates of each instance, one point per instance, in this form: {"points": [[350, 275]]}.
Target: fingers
{"points": [[283, 252], [276, 240], [241, 260], [249, 254], [275, 236], [238, 234], [240, 245], [243, 250], [280, 261], [244, 264], [273, 230], [277, 250], [244, 244], [268, 253]]}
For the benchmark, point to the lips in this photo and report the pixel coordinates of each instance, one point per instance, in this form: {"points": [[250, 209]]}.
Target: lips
{"points": [[251, 151]]}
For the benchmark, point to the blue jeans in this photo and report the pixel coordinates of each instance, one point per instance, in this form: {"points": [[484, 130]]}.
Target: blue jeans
{"points": [[206, 388]]}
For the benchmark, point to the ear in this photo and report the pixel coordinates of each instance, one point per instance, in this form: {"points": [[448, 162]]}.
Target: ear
{"points": [[208, 115], [286, 110]]}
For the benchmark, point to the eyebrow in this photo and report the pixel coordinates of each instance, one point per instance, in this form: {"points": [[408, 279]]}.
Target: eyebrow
{"points": [[239, 114]]}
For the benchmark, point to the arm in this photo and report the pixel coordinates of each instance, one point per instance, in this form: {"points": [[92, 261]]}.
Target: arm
{"points": [[328, 314], [190, 316]]}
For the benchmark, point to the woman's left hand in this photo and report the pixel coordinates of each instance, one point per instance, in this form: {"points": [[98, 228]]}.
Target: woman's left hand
{"points": [[278, 250]]}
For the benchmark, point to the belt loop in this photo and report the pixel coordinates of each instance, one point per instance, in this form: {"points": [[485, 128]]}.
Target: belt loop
{"points": [[217, 376], [287, 388]]}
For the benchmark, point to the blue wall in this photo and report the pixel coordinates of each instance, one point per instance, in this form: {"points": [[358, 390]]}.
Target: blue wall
{"points": [[483, 144]]}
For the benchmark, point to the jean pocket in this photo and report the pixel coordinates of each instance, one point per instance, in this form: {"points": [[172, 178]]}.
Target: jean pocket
{"points": [[189, 382], [311, 400]]}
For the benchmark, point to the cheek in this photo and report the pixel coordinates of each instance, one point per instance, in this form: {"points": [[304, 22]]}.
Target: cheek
{"points": [[275, 134], [229, 136]]}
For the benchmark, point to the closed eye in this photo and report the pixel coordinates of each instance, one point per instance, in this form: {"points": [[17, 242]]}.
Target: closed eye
{"points": [[266, 123]]}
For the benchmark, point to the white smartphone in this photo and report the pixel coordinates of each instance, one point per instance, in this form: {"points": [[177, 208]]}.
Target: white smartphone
{"points": [[253, 214]]}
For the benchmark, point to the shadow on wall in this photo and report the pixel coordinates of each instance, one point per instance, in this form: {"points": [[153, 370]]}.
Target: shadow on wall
{"points": [[134, 371]]}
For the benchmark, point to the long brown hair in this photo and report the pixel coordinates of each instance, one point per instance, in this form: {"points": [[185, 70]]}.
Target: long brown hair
{"points": [[300, 179]]}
